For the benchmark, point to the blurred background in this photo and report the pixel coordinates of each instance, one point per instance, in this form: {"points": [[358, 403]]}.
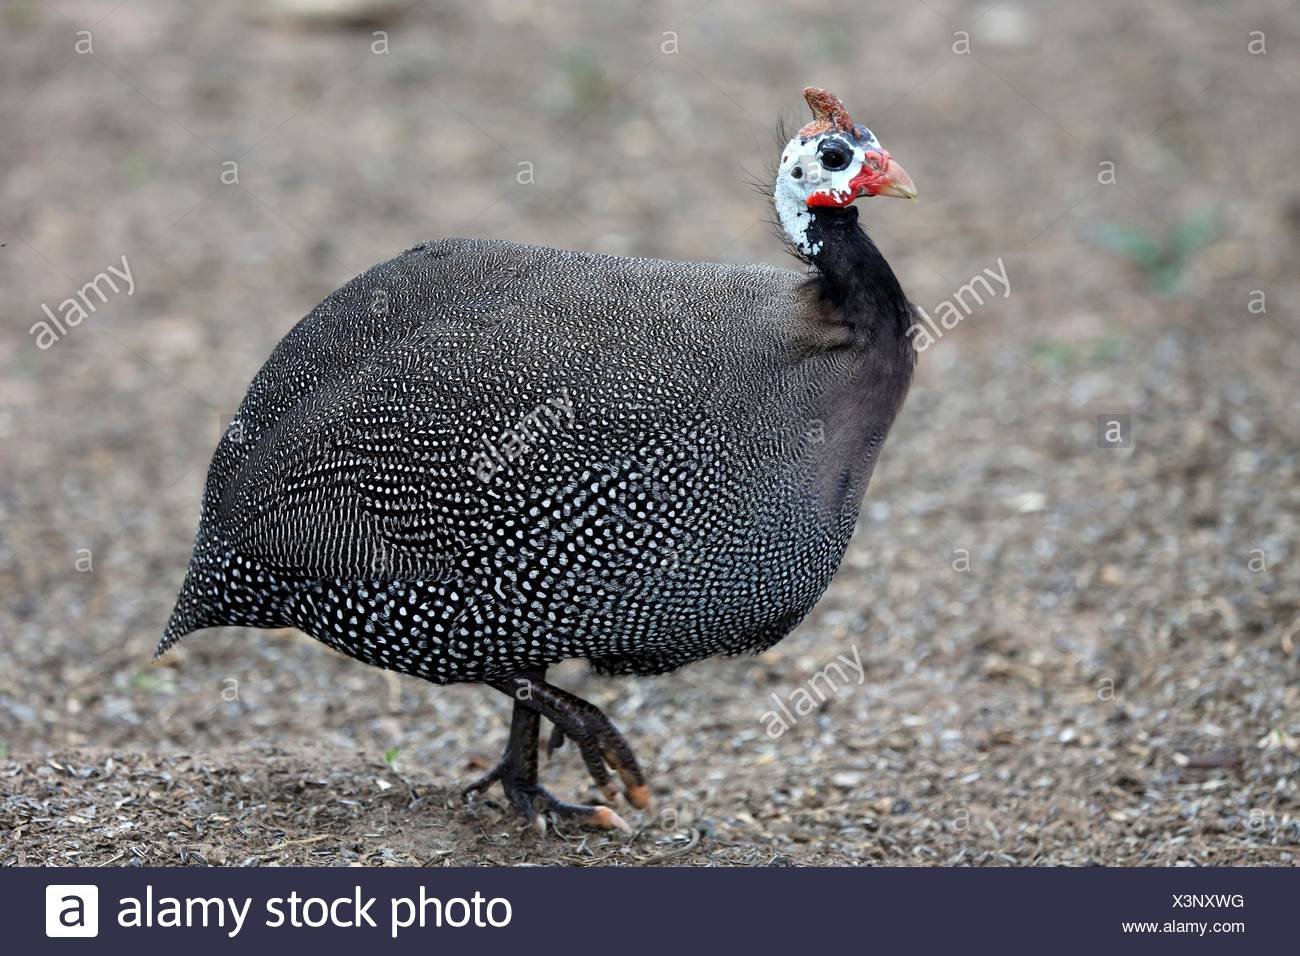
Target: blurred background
{"points": [[1077, 648]]}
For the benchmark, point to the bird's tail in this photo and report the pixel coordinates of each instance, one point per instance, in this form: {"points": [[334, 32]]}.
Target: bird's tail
{"points": [[186, 616], [192, 611]]}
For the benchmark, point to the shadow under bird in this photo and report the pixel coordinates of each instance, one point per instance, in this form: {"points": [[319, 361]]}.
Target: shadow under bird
{"points": [[481, 458]]}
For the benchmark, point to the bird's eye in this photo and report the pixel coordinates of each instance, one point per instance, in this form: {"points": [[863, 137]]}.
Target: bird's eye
{"points": [[834, 157]]}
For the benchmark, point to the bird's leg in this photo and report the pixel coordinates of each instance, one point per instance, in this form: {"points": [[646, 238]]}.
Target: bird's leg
{"points": [[591, 757], [597, 739], [516, 771]]}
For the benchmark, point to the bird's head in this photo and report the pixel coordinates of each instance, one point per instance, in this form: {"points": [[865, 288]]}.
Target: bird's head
{"points": [[828, 164]]}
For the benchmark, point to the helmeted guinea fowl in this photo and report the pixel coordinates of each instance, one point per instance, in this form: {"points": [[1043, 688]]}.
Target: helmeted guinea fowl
{"points": [[482, 458]]}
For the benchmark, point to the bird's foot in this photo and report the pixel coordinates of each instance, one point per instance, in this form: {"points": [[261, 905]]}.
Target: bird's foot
{"points": [[603, 745], [597, 739], [516, 771], [527, 796]]}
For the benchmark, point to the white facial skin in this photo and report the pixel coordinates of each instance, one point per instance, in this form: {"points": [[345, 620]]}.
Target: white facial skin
{"points": [[802, 173]]}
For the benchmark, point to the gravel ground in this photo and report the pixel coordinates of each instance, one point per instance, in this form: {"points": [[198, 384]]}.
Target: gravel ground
{"points": [[1072, 654]]}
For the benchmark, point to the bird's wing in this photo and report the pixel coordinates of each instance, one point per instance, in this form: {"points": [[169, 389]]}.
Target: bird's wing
{"points": [[418, 445], [364, 479]]}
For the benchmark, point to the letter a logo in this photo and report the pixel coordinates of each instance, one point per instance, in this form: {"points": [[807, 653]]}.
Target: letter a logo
{"points": [[71, 909]]}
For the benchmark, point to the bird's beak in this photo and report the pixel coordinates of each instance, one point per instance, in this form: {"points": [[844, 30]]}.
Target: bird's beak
{"points": [[881, 175]]}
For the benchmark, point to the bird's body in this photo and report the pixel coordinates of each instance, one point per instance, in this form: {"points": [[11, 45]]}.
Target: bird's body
{"points": [[481, 458]]}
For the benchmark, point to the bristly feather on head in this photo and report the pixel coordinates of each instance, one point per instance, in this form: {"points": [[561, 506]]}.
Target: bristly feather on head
{"points": [[765, 185]]}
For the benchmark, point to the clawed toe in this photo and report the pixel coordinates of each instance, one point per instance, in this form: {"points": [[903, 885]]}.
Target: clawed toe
{"points": [[639, 796], [481, 784], [610, 749], [533, 802], [603, 818]]}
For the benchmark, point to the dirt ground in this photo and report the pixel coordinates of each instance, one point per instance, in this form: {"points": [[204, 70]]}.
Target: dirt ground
{"points": [[1073, 654]]}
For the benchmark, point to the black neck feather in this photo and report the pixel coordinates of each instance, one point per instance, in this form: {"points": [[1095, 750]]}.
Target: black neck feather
{"points": [[854, 278]]}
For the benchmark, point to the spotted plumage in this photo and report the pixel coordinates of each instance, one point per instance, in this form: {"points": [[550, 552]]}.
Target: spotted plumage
{"points": [[481, 458], [691, 497]]}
